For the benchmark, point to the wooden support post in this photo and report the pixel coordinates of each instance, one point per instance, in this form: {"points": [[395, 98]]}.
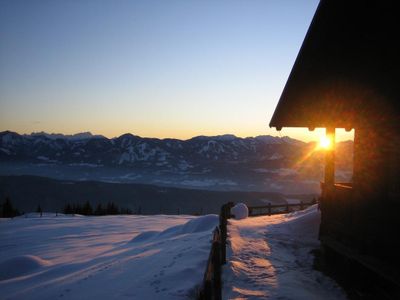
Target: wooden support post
{"points": [[330, 158], [269, 209]]}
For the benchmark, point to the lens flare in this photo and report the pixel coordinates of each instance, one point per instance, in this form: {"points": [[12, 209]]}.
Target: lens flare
{"points": [[325, 143]]}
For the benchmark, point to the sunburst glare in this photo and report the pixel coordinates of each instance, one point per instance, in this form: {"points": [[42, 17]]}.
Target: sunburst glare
{"points": [[325, 143]]}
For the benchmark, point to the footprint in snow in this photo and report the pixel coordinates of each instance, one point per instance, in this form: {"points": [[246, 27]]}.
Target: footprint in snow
{"points": [[169, 265], [155, 282]]}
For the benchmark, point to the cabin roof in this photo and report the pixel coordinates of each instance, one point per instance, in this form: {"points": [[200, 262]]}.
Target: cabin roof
{"points": [[347, 70]]}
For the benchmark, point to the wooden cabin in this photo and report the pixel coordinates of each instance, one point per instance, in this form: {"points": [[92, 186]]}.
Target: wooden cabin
{"points": [[346, 75]]}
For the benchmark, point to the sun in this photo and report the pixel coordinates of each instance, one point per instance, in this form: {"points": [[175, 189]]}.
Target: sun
{"points": [[325, 143]]}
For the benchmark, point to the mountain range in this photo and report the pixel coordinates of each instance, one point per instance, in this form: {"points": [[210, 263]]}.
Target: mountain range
{"points": [[225, 162]]}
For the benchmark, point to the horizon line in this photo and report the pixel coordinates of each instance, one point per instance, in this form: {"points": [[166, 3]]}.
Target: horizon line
{"points": [[162, 138]]}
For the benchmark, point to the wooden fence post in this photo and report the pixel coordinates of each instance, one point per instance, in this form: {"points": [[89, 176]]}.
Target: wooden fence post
{"points": [[217, 287], [222, 228], [225, 214], [269, 209], [212, 282], [301, 205], [287, 207]]}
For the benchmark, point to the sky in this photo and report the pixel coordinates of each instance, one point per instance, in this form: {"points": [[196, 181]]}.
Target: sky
{"points": [[152, 68]]}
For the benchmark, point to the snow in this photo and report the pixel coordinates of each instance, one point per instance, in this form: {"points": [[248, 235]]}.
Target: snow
{"points": [[143, 152], [125, 157], [281, 171], [207, 182], [130, 176], [263, 170], [240, 211], [267, 139], [275, 186], [184, 165], [42, 158], [292, 201], [269, 257], [110, 257], [8, 138], [212, 146], [287, 172], [21, 265], [46, 159], [225, 137], [85, 165], [276, 156], [164, 257], [6, 151]]}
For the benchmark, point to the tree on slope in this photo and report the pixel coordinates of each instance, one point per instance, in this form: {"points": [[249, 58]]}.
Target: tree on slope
{"points": [[39, 210], [7, 209], [87, 209]]}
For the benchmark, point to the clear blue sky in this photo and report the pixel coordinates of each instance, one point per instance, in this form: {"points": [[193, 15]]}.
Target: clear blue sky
{"points": [[152, 68]]}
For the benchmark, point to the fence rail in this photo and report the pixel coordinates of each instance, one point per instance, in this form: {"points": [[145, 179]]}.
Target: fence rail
{"points": [[273, 209]]}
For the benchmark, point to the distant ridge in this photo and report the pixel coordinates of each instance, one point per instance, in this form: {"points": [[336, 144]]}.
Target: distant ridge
{"points": [[89, 135], [76, 136]]}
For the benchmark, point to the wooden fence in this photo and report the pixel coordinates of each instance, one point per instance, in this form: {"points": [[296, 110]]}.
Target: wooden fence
{"points": [[212, 285], [273, 209], [211, 288]]}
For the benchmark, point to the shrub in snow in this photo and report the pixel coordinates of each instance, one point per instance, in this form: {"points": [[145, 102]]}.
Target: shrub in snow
{"points": [[240, 211]]}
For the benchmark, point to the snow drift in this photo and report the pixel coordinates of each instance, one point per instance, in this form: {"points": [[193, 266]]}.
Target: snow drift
{"points": [[21, 265], [201, 224]]}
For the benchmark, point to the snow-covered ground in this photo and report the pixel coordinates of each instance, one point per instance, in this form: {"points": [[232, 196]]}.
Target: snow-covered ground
{"points": [[269, 258], [158, 257], [111, 257]]}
